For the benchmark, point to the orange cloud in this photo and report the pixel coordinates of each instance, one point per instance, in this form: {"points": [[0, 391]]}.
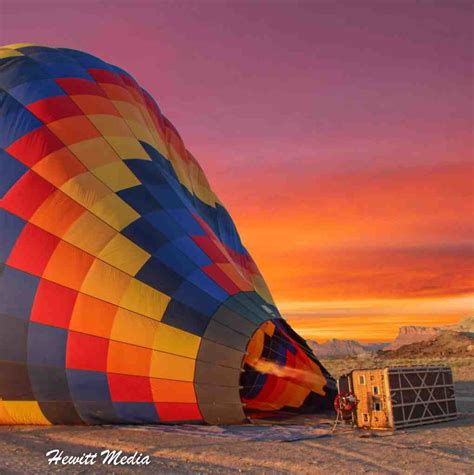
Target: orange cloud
{"points": [[329, 274], [422, 205], [392, 234]]}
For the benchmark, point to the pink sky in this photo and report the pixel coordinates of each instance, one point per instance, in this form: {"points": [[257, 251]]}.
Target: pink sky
{"points": [[345, 127], [310, 85]]}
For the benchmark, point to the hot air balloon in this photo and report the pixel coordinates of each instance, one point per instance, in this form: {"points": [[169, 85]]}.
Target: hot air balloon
{"points": [[126, 295]]}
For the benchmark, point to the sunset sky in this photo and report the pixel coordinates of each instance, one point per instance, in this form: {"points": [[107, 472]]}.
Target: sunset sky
{"points": [[337, 134]]}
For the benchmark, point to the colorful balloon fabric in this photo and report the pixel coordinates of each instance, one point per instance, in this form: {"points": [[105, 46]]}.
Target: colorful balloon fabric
{"points": [[126, 295]]}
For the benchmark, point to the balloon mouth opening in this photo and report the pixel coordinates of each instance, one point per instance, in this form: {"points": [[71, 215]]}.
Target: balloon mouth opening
{"points": [[281, 376]]}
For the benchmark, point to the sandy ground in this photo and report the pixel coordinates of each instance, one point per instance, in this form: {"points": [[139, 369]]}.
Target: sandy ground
{"points": [[443, 448]]}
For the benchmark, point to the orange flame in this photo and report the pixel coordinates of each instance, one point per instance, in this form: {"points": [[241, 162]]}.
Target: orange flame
{"points": [[308, 379]]}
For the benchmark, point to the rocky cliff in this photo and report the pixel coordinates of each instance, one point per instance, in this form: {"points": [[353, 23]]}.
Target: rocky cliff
{"points": [[466, 325], [337, 348], [412, 334], [447, 344], [408, 336]]}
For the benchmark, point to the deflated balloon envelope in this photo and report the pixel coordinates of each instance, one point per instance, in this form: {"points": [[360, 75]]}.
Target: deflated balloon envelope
{"points": [[126, 295]]}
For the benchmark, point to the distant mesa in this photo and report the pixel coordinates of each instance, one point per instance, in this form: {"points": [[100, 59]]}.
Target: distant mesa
{"points": [[466, 325], [411, 341], [412, 334], [448, 344], [340, 348]]}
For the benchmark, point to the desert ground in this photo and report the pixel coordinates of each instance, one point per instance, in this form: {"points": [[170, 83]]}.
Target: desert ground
{"points": [[299, 445]]}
